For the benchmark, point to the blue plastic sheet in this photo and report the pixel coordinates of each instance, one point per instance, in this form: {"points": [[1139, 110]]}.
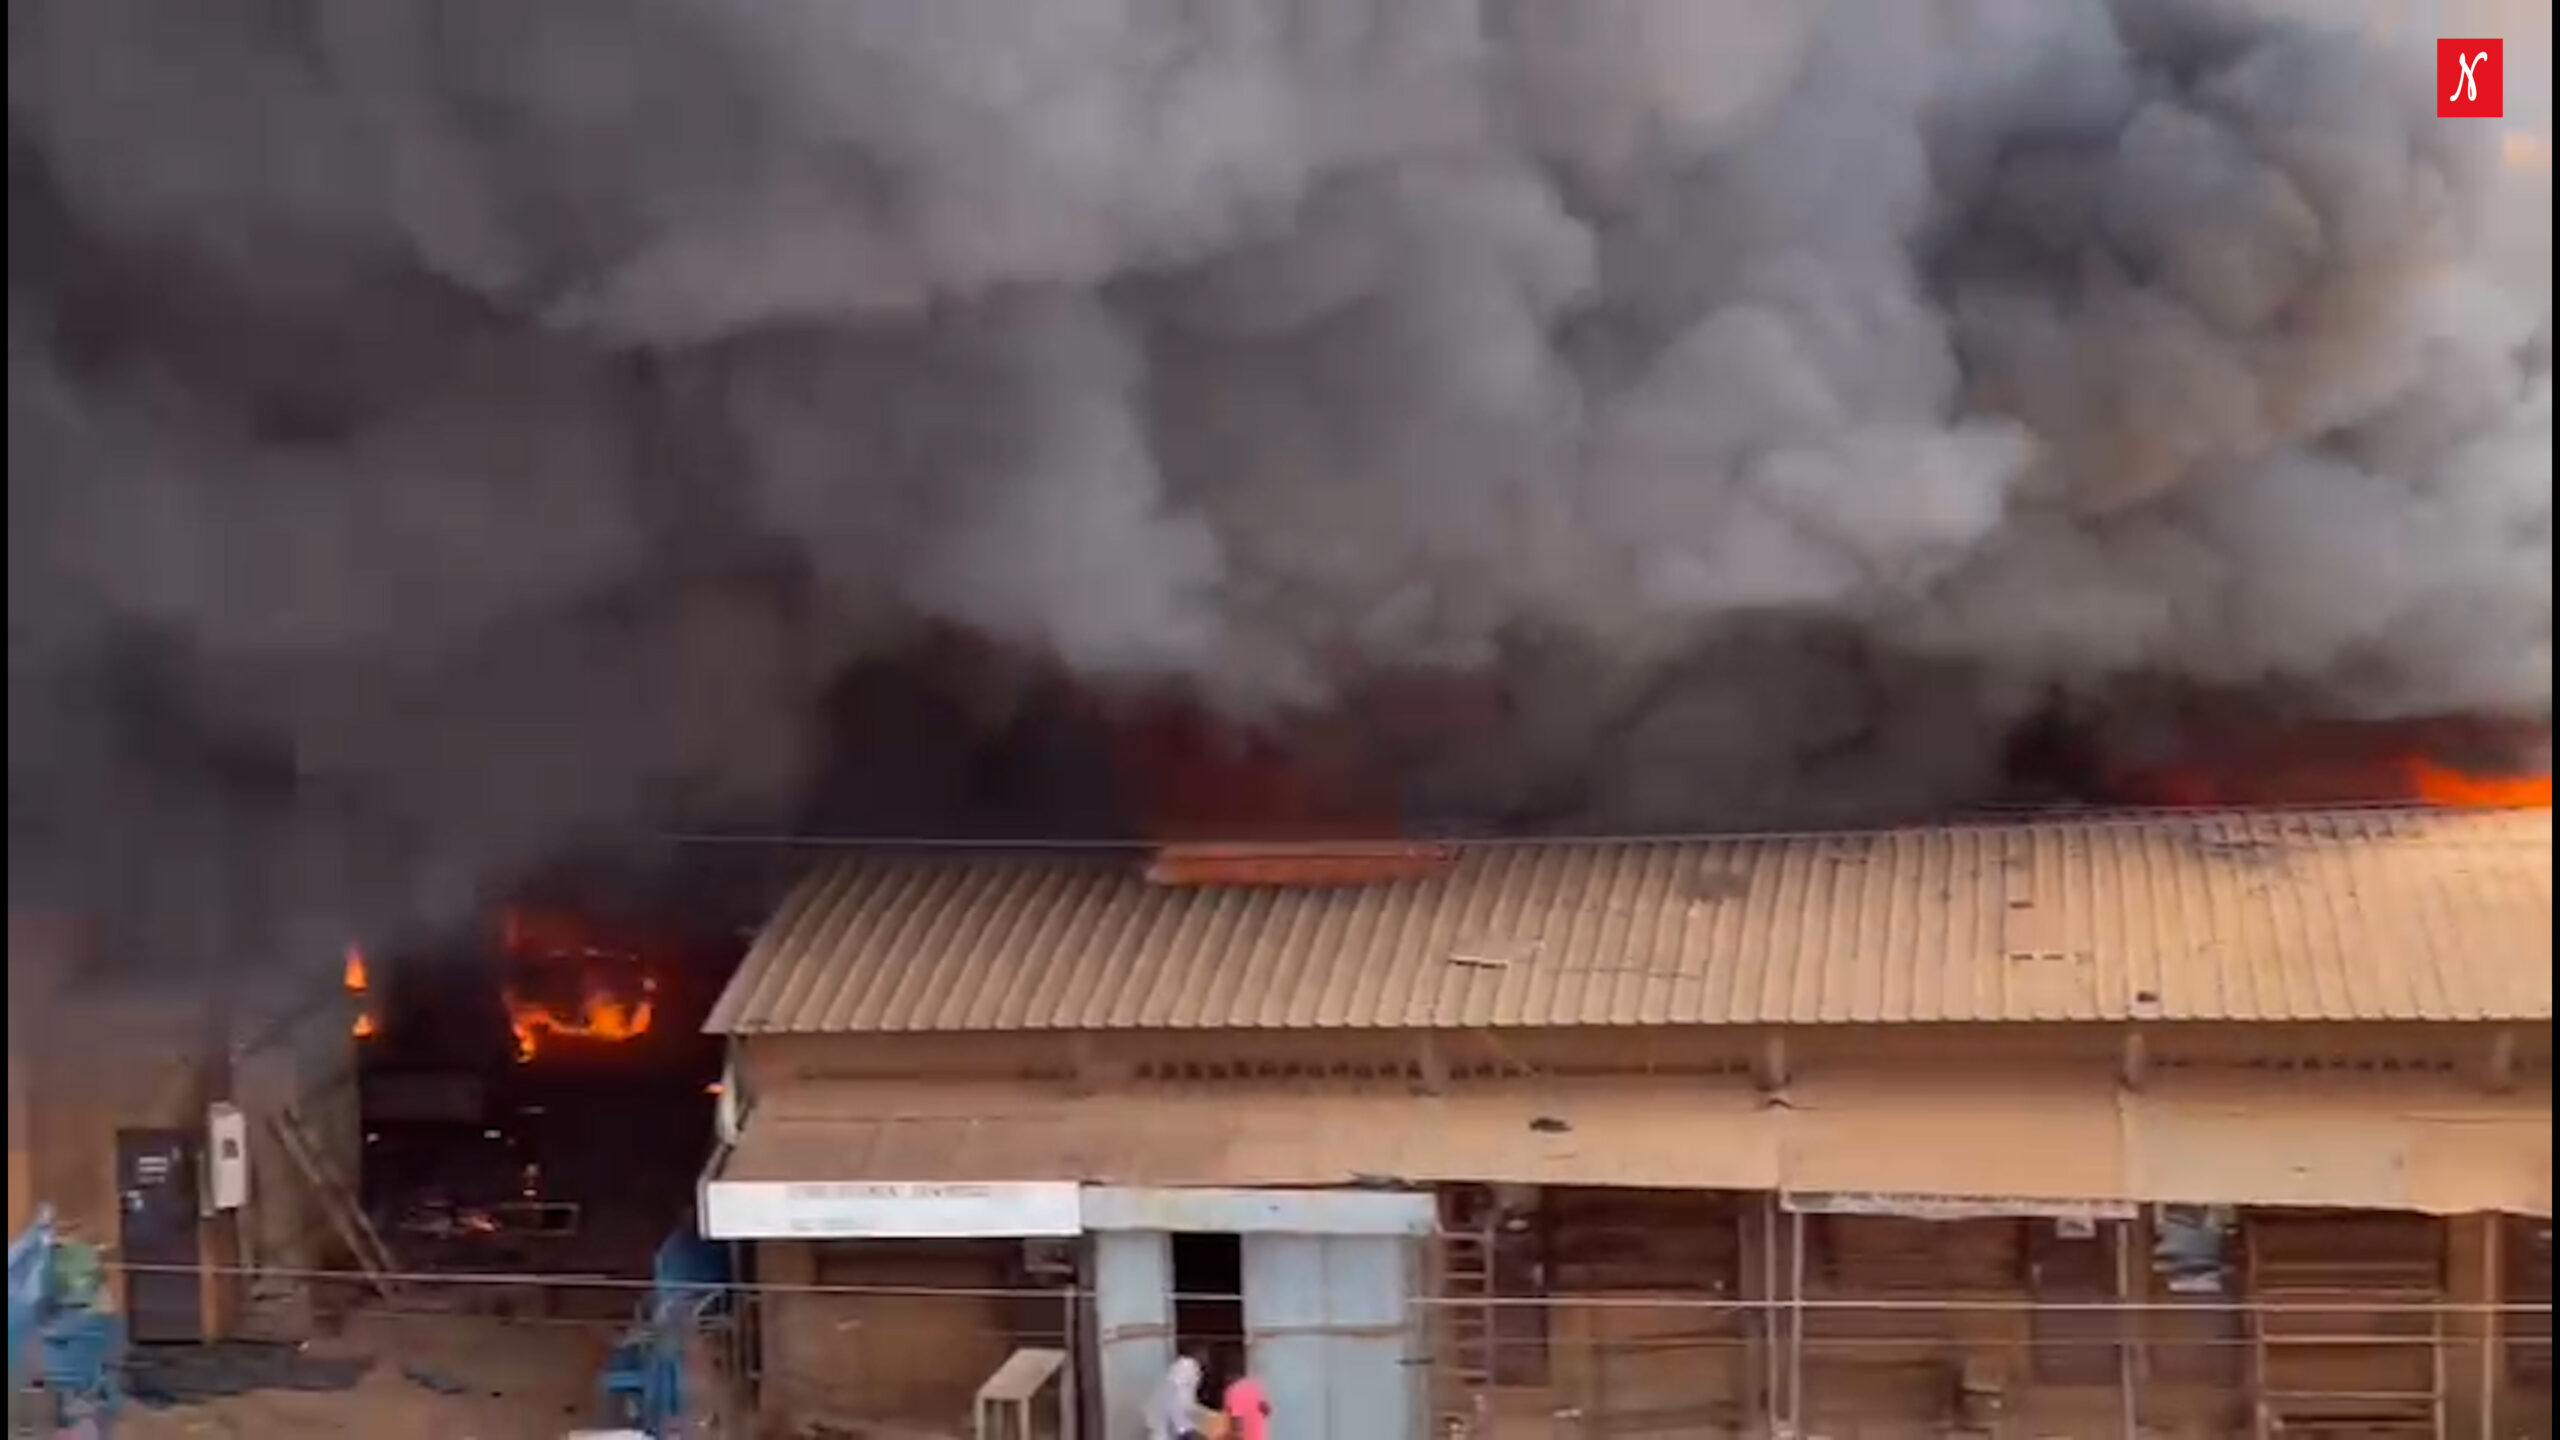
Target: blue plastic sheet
{"points": [[30, 1272]]}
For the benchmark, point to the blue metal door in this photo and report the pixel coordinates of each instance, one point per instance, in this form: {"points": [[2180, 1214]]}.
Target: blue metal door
{"points": [[1132, 1323], [1327, 1319]]}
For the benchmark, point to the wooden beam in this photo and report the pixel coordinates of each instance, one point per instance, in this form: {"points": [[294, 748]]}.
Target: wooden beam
{"points": [[2133, 1064], [1769, 1067], [2498, 1066], [1091, 1069], [1431, 1065]]}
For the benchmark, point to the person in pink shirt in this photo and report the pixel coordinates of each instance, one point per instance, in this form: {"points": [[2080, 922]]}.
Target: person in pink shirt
{"points": [[1247, 1406]]}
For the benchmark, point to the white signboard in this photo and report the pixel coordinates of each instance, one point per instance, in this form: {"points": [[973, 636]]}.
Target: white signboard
{"points": [[775, 1210], [1951, 1207], [1259, 1212]]}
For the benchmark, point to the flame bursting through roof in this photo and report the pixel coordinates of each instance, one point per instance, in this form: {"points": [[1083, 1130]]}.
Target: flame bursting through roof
{"points": [[444, 436], [2444, 764]]}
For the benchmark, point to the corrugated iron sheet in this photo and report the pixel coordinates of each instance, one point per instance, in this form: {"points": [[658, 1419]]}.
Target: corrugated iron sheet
{"points": [[2242, 917], [2381, 1142]]}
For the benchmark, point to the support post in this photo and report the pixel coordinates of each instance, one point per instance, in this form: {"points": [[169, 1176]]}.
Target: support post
{"points": [[2129, 1414], [2493, 1320], [1431, 1065], [1769, 1067], [1764, 1319], [1795, 1326], [1070, 1400], [2498, 1065], [2133, 1063]]}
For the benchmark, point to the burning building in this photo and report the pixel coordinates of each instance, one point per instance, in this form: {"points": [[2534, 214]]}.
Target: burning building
{"points": [[444, 441], [519, 1082], [567, 981], [1633, 1131]]}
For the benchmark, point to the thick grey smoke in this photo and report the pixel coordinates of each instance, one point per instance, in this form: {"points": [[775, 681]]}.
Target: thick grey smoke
{"points": [[445, 431]]}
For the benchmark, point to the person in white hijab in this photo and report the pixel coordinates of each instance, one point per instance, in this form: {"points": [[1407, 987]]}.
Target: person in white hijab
{"points": [[1173, 1411]]}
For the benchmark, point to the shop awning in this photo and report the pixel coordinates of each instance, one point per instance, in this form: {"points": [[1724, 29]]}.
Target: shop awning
{"points": [[881, 1156], [2030, 1144], [2350, 1142], [869, 1140]]}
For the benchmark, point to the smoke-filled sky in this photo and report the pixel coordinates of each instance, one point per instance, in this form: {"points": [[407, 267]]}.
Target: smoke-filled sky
{"points": [[445, 432]]}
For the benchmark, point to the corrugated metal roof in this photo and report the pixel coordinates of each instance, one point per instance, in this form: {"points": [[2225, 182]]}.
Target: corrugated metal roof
{"points": [[2364, 915]]}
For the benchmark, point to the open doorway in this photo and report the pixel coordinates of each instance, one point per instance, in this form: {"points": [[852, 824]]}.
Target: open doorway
{"points": [[1208, 1305]]}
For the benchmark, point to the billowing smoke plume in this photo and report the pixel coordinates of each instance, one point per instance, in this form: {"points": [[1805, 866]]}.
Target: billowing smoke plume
{"points": [[445, 431]]}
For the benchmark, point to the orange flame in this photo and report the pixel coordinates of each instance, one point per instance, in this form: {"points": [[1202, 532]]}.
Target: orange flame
{"points": [[2455, 789], [2449, 764], [598, 1016], [358, 981], [615, 998]]}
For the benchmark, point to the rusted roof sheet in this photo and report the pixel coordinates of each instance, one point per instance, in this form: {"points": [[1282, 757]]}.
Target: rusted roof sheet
{"points": [[2336, 916]]}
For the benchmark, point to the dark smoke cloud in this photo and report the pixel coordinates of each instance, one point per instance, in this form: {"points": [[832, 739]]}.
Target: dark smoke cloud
{"points": [[444, 432]]}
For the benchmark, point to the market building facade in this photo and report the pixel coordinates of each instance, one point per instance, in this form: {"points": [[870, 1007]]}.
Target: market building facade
{"points": [[2190, 1125]]}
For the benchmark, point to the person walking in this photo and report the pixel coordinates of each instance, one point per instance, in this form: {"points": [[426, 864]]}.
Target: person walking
{"points": [[1247, 1406], [1173, 1410]]}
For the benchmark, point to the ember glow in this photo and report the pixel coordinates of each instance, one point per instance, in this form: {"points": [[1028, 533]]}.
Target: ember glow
{"points": [[1338, 863], [2447, 764], [359, 983], [2442, 785], [1196, 779], [567, 982]]}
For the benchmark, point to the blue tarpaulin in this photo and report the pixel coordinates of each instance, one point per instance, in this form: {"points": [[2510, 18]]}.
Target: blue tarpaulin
{"points": [[30, 1264]]}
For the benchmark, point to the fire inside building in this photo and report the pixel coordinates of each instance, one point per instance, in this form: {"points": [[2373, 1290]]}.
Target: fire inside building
{"points": [[2230, 1115], [2195, 1124], [501, 1103], [519, 1087], [2188, 1120]]}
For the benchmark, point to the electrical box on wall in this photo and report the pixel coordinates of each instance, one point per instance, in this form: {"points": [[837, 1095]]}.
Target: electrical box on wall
{"points": [[226, 1152]]}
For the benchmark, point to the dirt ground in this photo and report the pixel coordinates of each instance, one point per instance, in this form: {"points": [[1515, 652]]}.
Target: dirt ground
{"points": [[516, 1380]]}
